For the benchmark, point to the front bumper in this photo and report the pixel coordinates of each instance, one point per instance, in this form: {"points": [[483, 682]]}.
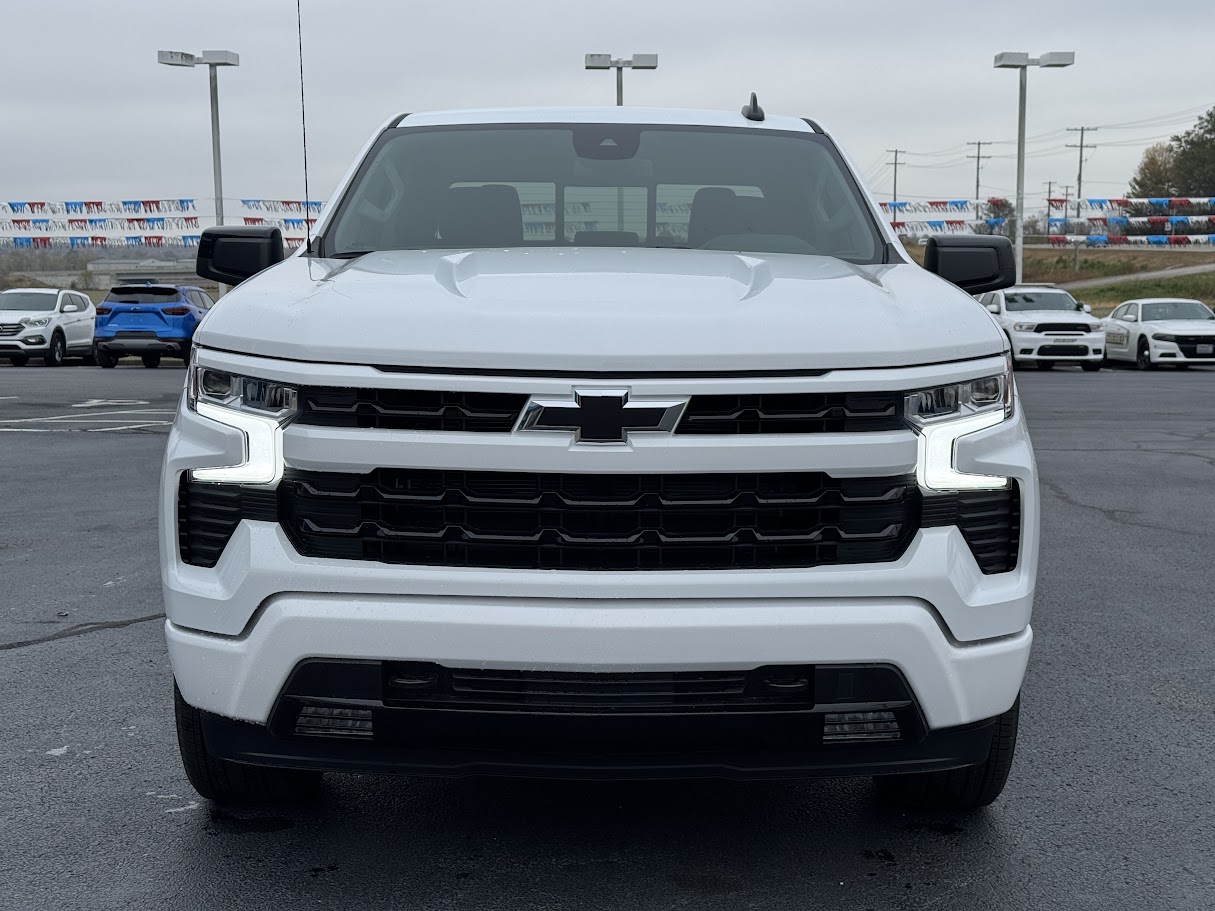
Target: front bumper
{"points": [[1172, 353], [564, 726], [1030, 347], [121, 346], [960, 638], [30, 342]]}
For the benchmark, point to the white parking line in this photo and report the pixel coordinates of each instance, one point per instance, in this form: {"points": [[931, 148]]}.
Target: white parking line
{"points": [[123, 419], [101, 403]]}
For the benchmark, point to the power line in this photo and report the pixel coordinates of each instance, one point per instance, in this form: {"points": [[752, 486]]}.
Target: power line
{"points": [[1080, 172]]}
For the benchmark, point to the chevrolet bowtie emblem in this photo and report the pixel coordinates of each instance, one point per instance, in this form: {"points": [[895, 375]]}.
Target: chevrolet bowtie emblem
{"points": [[602, 415]]}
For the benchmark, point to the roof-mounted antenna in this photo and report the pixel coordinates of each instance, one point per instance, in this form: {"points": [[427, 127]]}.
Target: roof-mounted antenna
{"points": [[753, 111]]}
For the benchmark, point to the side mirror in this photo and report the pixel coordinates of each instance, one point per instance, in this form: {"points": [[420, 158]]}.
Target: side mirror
{"points": [[70, 308], [975, 263], [231, 255], [993, 308], [1131, 318], [1086, 308]]}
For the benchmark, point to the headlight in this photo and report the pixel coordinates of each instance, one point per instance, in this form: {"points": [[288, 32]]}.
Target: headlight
{"points": [[36, 322], [1097, 327], [1024, 327], [941, 415], [258, 408], [1163, 337]]}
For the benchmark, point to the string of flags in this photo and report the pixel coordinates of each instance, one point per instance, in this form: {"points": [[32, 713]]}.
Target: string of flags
{"points": [[95, 207], [1133, 240]]}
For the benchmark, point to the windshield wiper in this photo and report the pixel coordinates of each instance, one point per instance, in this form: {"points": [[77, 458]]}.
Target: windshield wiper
{"points": [[352, 254]]}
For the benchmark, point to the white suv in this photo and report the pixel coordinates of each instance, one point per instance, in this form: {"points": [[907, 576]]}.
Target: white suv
{"points": [[661, 459], [49, 323], [1046, 326]]}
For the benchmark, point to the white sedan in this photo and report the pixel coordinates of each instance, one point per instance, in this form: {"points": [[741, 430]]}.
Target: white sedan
{"points": [[1160, 330]]}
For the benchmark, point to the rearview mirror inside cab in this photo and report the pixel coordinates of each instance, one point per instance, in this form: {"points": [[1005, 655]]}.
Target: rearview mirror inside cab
{"points": [[975, 263], [231, 255]]}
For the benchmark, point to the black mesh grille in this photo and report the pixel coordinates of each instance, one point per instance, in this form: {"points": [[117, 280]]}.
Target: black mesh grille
{"points": [[599, 522], [1063, 350], [1062, 327], [1189, 344], [207, 516], [427, 685], [990, 521], [496, 412], [818, 412], [410, 409]]}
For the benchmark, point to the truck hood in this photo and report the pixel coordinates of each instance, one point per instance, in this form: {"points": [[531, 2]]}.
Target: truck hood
{"points": [[583, 310], [16, 316]]}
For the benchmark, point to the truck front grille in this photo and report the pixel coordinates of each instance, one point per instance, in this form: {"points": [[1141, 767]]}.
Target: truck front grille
{"points": [[599, 522], [817, 412], [497, 412]]}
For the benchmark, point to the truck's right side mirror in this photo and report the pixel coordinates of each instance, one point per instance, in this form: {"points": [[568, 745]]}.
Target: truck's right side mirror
{"points": [[976, 263], [230, 255]]}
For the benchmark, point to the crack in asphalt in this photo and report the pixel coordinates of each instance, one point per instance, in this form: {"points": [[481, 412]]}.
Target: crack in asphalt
{"points": [[81, 629], [1120, 516]]}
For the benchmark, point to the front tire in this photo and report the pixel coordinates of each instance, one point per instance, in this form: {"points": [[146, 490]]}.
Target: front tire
{"points": [[1143, 359], [1046, 365], [227, 782], [958, 790], [151, 361], [54, 357]]}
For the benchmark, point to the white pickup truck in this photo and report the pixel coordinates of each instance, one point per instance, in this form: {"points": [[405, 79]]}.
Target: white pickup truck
{"points": [[600, 443]]}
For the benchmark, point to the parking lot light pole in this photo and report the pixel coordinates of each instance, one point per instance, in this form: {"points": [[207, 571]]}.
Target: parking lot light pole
{"points": [[212, 60], [607, 62], [1014, 60]]}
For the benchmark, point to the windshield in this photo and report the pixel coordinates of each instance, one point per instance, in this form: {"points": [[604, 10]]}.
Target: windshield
{"points": [[1175, 310], [1039, 300], [141, 295], [27, 300], [616, 185]]}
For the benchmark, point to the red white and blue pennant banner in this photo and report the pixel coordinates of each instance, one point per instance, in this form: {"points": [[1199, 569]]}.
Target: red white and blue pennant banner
{"points": [[94, 207]]}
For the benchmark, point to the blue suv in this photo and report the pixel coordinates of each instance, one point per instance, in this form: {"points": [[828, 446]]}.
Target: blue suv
{"points": [[152, 321]]}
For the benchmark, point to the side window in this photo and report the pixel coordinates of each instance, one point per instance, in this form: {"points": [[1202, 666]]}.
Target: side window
{"points": [[1120, 312], [192, 297], [84, 302], [1132, 310], [207, 302]]}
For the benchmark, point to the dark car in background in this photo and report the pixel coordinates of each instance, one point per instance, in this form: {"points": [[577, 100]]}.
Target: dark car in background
{"points": [[150, 321]]}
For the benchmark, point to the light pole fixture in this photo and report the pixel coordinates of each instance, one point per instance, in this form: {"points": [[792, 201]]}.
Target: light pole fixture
{"points": [[607, 62], [1014, 60], [213, 60]]}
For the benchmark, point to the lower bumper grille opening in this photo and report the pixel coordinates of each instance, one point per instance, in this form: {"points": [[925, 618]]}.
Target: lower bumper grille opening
{"points": [[332, 721], [860, 727], [1063, 351]]}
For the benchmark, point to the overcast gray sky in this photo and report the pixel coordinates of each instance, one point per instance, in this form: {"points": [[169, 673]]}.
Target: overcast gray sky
{"points": [[85, 111]]}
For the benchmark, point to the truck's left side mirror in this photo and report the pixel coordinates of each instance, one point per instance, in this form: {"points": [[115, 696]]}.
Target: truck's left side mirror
{"points": [[230, 255], [976, 263]]}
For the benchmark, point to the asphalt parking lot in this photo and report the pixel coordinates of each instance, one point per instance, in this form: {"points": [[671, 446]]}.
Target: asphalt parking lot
{"points": [[1111, 803]]}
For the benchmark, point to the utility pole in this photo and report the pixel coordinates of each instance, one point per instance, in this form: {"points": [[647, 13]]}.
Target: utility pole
{"points": [[1050, 185], [1080, 172], [979, 158], [896, 153]]}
